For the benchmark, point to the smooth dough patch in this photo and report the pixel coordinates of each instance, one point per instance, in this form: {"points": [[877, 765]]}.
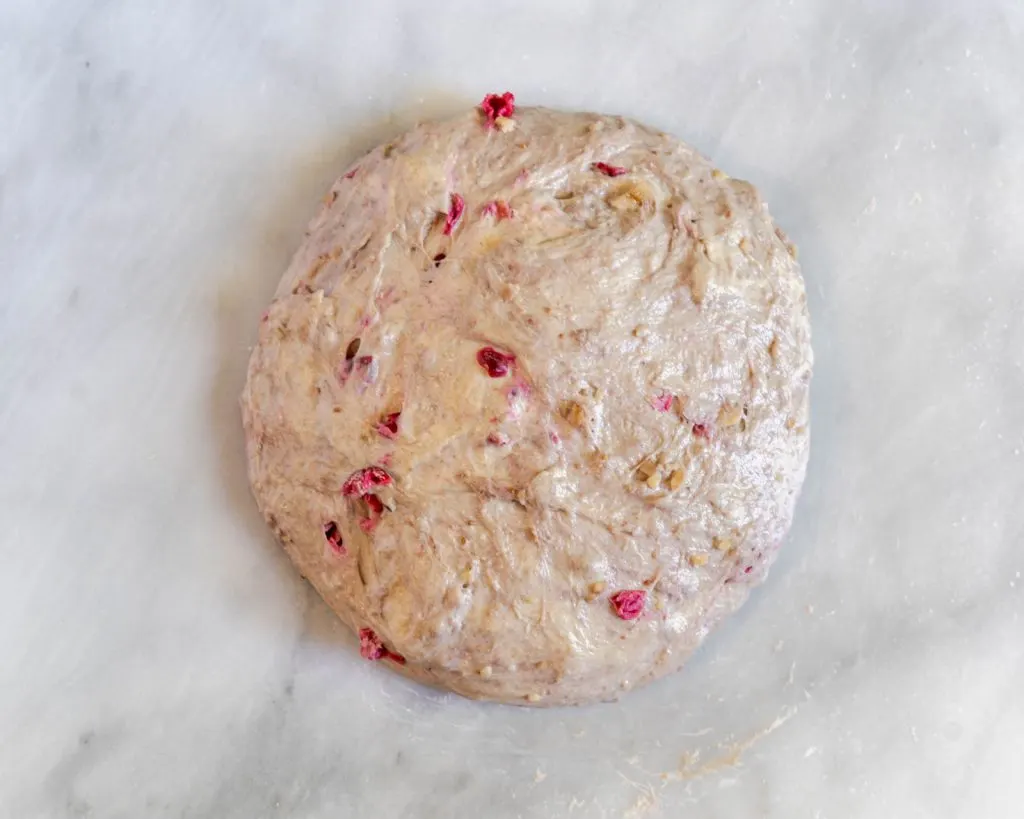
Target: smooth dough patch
{"points": [[530, 406]]}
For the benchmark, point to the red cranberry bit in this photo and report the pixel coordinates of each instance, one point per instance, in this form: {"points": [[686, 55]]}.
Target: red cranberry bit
{"points": [[368, 524], [702, 431], [440, 257], [496, 363], [629, 604], [368, 368], [333, 535], [370, 645], [375, 504], [458, 204], [748, 570], [353, 486], [499, 209], [361, 481], [609, 170], [662, 402], [498, 439], [388, 426], [498, 105], [377, 476], [352, 173]]}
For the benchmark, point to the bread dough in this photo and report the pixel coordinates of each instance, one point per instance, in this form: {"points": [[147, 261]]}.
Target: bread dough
{"points": [[530, 406]]}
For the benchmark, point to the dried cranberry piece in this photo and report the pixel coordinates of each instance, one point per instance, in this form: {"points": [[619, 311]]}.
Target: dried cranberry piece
{"points": [[375, 504], [629, 604], [496, 363], [609, 170], [361, 481], [377, 476], [662, 402], [352, 173], [388, 426], [499, 209], [455, 209], [498, 439], [333, 535], [498, 105], [370, 645], [367, 366], [702, 431], [440, 257]]}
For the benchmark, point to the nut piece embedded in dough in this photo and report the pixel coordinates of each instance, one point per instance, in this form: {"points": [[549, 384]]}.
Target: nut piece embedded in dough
{"points": [[675, 479], [574, 414], [729, 415], [646, 469]]}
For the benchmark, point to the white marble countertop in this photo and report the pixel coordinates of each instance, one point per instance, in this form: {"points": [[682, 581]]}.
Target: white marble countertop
{"points": [[161, 658]]}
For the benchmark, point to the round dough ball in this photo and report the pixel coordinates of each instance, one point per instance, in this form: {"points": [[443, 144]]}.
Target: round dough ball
{"points": [[530, 406]]}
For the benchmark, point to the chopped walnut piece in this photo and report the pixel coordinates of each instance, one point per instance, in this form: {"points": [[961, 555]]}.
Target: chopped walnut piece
{"points": [[594, 590], [654, 481], [729, 415], [574, 414], [624, 202], [722, 544], [675, 480], [697, 560], [647, 468], [699, 276]]}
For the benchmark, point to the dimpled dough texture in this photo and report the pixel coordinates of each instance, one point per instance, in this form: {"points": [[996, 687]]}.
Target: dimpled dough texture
{"points": [[530, 406]]}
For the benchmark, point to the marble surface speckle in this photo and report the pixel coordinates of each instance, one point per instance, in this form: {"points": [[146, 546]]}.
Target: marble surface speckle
{"points": [[158, 163]]}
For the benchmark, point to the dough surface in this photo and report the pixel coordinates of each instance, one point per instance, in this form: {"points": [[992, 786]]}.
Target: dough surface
{"points": [[584, 394]]}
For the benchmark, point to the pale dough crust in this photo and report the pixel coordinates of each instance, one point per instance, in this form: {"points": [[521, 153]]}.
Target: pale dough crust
{"points": [[650, 435]]}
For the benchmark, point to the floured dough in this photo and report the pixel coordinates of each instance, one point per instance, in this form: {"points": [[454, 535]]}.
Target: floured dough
{"points": [[530, 406]]}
